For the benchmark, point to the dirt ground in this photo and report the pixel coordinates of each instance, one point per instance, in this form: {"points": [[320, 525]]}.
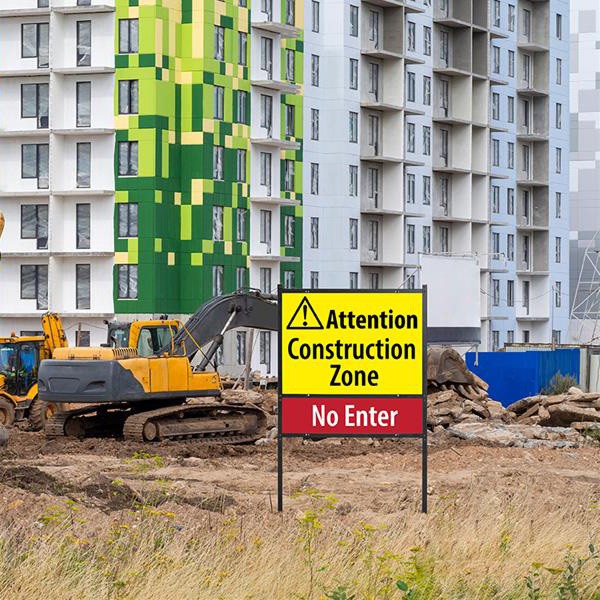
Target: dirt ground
{"points": [[371, 480]]}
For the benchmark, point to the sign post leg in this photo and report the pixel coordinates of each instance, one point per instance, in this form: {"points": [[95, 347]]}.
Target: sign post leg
{"points": [[424, 473], [279, 473]]}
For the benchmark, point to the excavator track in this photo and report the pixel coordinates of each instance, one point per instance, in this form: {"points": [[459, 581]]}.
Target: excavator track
{"points": [[91, 421], [214, 423]]}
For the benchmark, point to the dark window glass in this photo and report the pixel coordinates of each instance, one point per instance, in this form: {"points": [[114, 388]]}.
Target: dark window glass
{"points": [[83, 286], [83, 226]]}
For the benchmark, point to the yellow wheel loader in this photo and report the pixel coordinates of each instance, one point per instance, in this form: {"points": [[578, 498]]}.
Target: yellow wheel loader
{"points": [[145, 397], [20, 358]]}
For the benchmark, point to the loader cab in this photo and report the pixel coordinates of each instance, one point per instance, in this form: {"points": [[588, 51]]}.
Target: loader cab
{"points": [[147, 337], [19, 363]]}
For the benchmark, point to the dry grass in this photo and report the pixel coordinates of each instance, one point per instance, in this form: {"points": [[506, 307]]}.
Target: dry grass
{"points": [[468, 549]]}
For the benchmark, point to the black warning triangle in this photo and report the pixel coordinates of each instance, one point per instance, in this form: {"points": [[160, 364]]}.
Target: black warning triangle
{"points": [[305, 317]]}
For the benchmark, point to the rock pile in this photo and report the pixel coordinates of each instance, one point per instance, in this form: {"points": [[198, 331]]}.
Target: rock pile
{"points": [[575, 409], [449, 407]]}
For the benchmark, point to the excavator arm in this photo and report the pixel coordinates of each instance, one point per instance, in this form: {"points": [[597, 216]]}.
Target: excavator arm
{"points": [[213, 319], [54, 333]]}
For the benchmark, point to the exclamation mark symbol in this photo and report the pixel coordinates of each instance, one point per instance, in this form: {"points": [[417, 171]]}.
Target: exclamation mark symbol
{"points": [[305, 311]]}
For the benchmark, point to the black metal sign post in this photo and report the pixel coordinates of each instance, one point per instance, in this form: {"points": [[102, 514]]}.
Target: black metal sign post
{"points": [[423, 425]]}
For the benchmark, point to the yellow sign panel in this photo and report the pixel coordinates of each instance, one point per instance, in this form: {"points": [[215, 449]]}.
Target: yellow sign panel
{"points": [[352, 343]]}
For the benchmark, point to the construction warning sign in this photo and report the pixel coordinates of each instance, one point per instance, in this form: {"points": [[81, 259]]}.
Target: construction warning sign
{"points": [[352, 343]]}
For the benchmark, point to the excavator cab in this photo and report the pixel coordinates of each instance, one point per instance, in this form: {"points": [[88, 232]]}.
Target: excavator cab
{"points": [[147, 337]]}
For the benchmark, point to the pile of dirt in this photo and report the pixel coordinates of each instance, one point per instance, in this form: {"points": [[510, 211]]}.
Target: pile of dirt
{"points": [[450, 408], [575, 409]]}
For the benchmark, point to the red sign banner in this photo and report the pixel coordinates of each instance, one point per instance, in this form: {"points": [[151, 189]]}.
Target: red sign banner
{"points": [[352, 416]]}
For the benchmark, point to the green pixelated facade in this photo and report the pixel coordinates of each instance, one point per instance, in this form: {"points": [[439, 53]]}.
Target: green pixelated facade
{"points": [[176, 132]]}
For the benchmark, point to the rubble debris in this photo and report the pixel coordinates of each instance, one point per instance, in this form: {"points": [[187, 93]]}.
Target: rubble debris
{"points": [[561, 410], [448, 408]]}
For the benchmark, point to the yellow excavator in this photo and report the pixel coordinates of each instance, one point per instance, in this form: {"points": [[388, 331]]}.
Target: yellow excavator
{"points": [[145, 398]]}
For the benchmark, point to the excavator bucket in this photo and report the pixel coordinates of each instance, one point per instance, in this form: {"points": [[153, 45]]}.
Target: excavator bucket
{"points": [[446, 370]]}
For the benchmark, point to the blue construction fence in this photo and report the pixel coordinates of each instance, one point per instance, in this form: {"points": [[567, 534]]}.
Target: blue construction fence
{"points": [[515, 375]]}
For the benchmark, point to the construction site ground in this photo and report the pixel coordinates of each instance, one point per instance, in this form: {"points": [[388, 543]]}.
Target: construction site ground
{"points": [[372, 480]]}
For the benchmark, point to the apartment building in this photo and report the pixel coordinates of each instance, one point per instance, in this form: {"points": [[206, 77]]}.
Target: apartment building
{"points": [[436, 127], [151, 158], [585, 170]]}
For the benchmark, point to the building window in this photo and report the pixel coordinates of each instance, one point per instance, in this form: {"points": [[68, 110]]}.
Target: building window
{"points": [[289, 231], [511, 63], [558, 160], [526, 336], [558, 71], [240, 278], [426, 190], [557, 249], [265, 227], [511, 155], [374, 80], [82, 338], [496, 292], [83, 112], [128, 97], [496, 13], [495, 340], [495, 106], [527, 69], [510, 201], [314, 124], [495, 153], [265, 349], [290, 65], [410, 137], [266, 56], [128, 219], [558, 26], [558, 116], [84, 43], [240, 347], [290, 119], [218, 166], [316, 17], [219, 102], [242, 48], [444, 46], [510, 336], [288, 175], [290, 17], [314, 178], [557, 294], [527, 24], [82, 286], [557, 206], [410, 86], [426, 140], [265, 171], [34, 285], [410, 188], [353, 234], [496, 246], [556, 337], [495, 199], [353, 20], [426, 40], [353, 74], [511, 109], [314, 232], [289, 280], [34, 163], [374, 28], [265, 280], [217, 280], [314, 70], [128, 158], [314, 280], [353, 176], [217, 223], [34, 103], [83, 226], [412, 37], [240, 166], [444, 239], [373, 185], [242, 101], [353, 283], [127, 282], [496, 59], [511, 17], [353, 134], [510, 292], [84, 164], [240, 232], [34, 224], [266, 113], [426, 239], [219, 43], [35, 42], [374, 281], [444, 146], [426, 90], [128, 36], [410, 239]]}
